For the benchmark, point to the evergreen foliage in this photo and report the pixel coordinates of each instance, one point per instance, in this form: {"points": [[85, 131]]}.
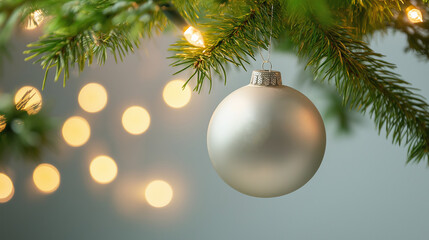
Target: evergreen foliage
{"points": [[21, 134], [330, 35]]}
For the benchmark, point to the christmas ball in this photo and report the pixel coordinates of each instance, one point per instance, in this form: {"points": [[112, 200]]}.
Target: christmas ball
{"points": [[266, 139]]}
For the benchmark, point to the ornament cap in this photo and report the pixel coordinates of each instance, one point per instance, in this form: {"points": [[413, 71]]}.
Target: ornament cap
{"points": [[266, 78]]}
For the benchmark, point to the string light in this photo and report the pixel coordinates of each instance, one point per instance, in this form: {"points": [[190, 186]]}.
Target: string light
{"points": [[92, 97], [158, 193], [6, 188], [34, 20], [414, 14], [103, 169], [2, 122], [194, 37], [34, 105], [174, 96], [136, 120], [46, 178], [76, 131]]}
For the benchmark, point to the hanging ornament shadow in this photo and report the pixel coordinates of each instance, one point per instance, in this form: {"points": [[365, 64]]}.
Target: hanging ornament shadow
{"points": [[266, 139]]}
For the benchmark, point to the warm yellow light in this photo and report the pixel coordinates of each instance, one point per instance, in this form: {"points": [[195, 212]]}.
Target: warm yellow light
{"points": [[92, 97], [175, 96], [194, 37], [103, 169], [2, 123], [136, 120], [158, 193], [76, 131], [46, 178], [414, 14], [6, 188], [34, 105], [34, 20]]}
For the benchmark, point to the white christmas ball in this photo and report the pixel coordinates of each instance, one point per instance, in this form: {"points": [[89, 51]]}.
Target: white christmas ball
{"points": [[266, 139]]}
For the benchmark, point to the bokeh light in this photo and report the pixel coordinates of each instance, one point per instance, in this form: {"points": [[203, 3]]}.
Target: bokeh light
{"points": [[2, 122], [136, 120], [158, 193], [414, 14], [103, 169], [46, 178], [175, 96], [92, 97], [76, 131], [34, 20], [34, 105], [6, 188]]}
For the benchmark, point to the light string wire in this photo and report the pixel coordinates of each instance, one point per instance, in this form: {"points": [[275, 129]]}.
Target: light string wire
{"points": [[268, 60]]}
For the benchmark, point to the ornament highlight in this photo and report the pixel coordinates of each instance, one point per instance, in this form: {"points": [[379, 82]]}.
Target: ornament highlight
{"points": [[103, 169], [266, 139], [414, 14], [6, 188], [46, 178]]}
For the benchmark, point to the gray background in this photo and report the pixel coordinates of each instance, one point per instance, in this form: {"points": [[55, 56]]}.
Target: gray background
{"points": [[363, 189]]}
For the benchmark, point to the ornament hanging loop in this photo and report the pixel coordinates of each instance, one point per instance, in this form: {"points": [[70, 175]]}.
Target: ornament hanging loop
{"points": [[268, 60]]}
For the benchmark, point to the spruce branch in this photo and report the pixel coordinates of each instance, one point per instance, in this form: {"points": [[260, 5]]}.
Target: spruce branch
{"points": [[10, 14], [366, 83], [327, 33], [22, 134], [230, 39], [368, 16], [90, 30]]}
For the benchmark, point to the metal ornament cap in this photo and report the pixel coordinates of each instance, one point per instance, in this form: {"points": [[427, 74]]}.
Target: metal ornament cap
{"points": [[266, 78]]}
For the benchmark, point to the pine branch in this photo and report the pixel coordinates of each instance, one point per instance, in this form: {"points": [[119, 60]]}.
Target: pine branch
{"points": [[10, 14], [368, 16], [366, 83], [76, 39], [327, 32], [21, 134], [230, 39]]}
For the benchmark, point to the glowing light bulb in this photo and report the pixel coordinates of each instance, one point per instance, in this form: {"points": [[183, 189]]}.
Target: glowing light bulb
{"points": [[34, 105], [103, 169], [194, 37], [176, 97], [34, 20], [6, 188], [136, 120], [414, 14], [76, 131], [46, 178], [92, 97], [158, 193]]}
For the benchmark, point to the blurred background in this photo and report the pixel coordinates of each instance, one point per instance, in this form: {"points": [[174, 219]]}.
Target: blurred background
{"points": [[111, 179]]}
